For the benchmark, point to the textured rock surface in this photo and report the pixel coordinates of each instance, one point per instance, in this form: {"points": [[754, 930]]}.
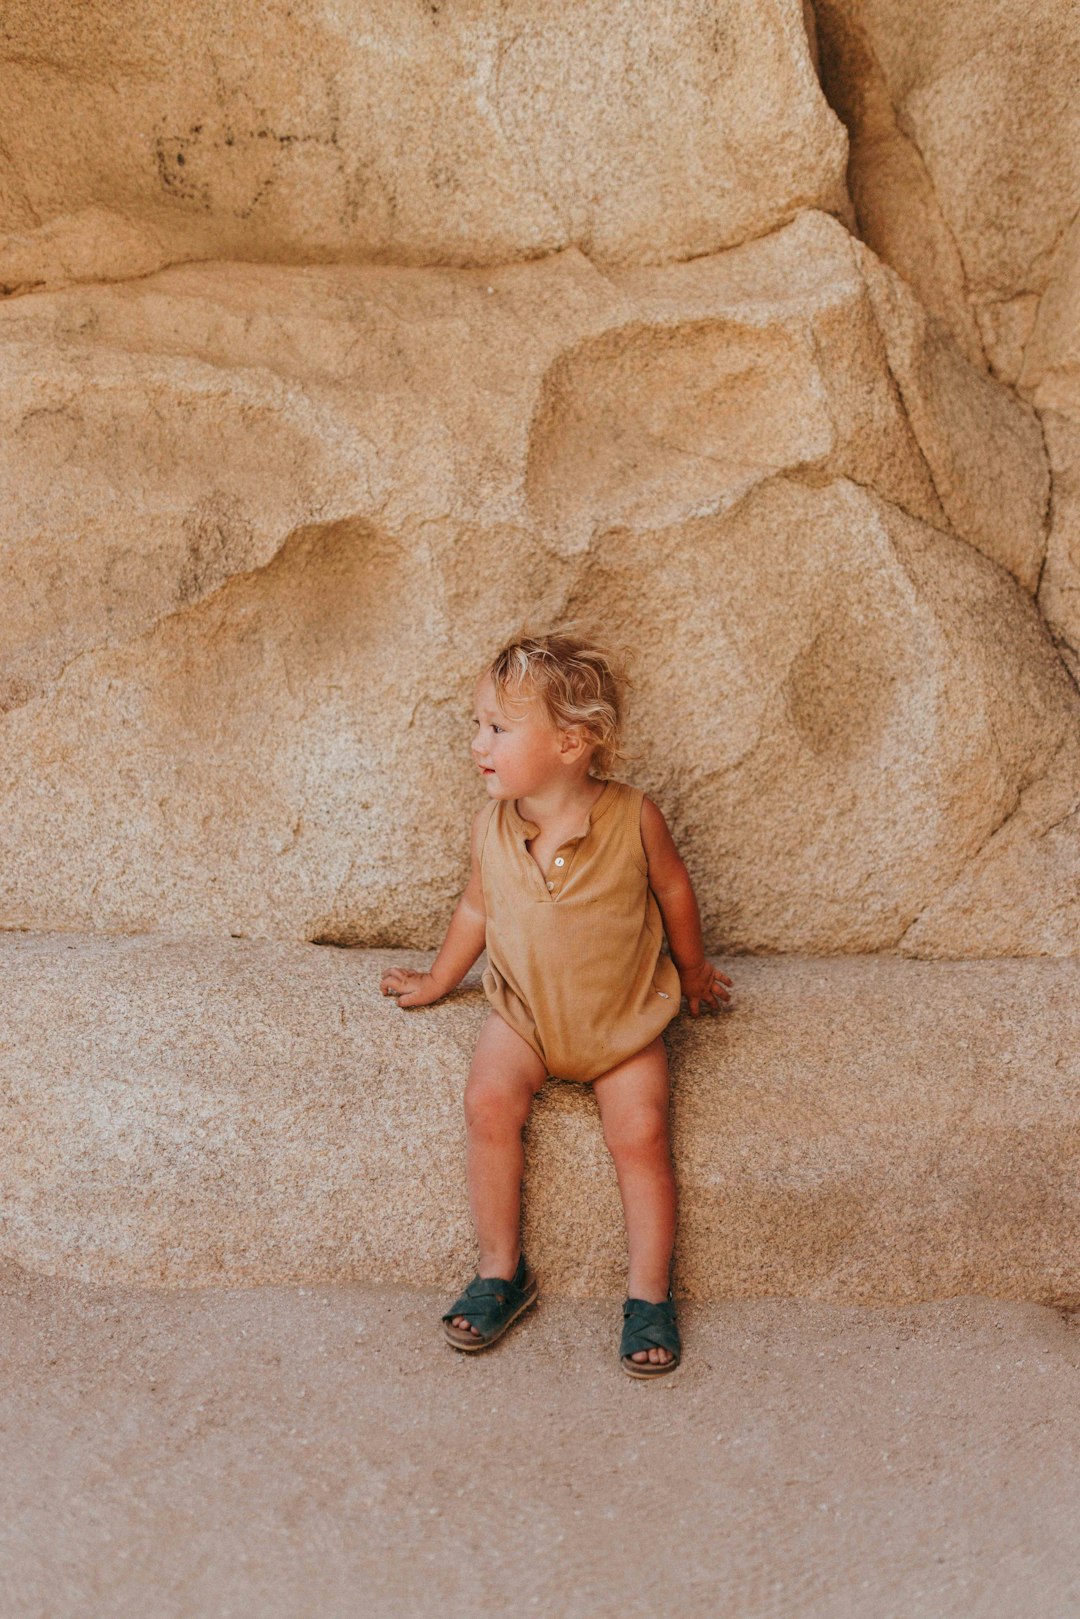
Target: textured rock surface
{"points": [[965, 151], [1059, 589], [1051, 380], [863, 1130], [965, 174], [284, 484], [275, 1451], [453, 133]]}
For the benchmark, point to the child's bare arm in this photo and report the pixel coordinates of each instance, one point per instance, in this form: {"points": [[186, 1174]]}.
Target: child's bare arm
{"points": [[670, 882], [463, 943]]}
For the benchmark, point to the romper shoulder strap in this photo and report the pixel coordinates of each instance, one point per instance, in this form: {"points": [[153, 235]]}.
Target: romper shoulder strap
{"points": [[628, 811]]}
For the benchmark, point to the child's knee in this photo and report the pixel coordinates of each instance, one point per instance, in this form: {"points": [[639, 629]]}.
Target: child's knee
{"points": [[640, 1132], [493, 1107]]}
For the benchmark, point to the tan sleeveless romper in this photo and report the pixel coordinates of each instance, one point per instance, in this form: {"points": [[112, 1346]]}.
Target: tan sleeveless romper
{"points": [[574, 957]]}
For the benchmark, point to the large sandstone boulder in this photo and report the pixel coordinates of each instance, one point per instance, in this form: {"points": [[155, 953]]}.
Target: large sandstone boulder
{"points": [[215, 1111], [410, 134], [306, 500]]}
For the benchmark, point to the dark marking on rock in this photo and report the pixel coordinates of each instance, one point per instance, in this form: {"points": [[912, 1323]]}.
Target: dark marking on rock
{"points": [[14, 289], [15, 692], [171, 154], [443, 178]]}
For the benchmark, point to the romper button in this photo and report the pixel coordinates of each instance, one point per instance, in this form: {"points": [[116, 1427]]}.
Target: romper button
{"points": [[559, 860], [551, 885]]}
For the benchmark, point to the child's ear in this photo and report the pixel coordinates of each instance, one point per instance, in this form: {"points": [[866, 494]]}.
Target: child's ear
{"points": [[575, 741]]}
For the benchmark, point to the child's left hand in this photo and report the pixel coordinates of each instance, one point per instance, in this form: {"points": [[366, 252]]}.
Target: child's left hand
{"points": [[703, 983]]}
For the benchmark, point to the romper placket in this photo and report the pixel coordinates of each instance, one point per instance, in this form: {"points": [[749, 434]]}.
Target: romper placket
{"points": [[553, 881]]}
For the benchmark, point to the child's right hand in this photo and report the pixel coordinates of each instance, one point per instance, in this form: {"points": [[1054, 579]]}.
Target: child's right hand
{"points": [[411, 988]]}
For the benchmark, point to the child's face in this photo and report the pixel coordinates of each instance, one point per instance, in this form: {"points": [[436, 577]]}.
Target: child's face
{"points": [[517, 748]]}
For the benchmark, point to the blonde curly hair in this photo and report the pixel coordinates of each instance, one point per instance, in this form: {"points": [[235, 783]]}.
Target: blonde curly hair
{"points": [[579, 681]]}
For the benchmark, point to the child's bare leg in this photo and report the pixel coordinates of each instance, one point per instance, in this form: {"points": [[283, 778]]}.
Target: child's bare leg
{"points": [[504, 1077], [633, 1102]]}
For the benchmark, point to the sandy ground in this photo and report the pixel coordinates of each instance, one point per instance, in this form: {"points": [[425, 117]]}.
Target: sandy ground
{"points": [[298, 1451]]}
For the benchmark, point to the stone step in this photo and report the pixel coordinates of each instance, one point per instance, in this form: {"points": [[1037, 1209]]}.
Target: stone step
{"points": [[321, 1453], [202, 1110]]}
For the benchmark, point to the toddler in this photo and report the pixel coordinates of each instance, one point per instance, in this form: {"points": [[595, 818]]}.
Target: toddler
{"points": [[572, 872]]}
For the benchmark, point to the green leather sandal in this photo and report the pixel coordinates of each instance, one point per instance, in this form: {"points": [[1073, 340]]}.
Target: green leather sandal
{"points": [[649, 1326], [490, 1303]]}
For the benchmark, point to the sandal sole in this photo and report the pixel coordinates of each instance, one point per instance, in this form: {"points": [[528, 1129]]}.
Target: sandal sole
{"points": [[458, 1338]]}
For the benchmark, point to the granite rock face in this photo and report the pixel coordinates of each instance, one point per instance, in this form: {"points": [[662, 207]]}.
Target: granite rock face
{"points": [[501, 314], [964, 124], [965, 153], [304, 503], [462, 133]]}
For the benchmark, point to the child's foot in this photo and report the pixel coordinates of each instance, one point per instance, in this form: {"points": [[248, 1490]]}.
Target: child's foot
{"points": [[650, 1338], [491, 1303], [460, 1320], [656, 1356]]}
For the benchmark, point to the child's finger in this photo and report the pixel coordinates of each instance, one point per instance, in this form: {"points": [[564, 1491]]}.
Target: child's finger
{"points": [[396, 980]]}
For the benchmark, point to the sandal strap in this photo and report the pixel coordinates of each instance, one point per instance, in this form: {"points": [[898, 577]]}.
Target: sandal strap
{"points": [[647, 1325]]}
